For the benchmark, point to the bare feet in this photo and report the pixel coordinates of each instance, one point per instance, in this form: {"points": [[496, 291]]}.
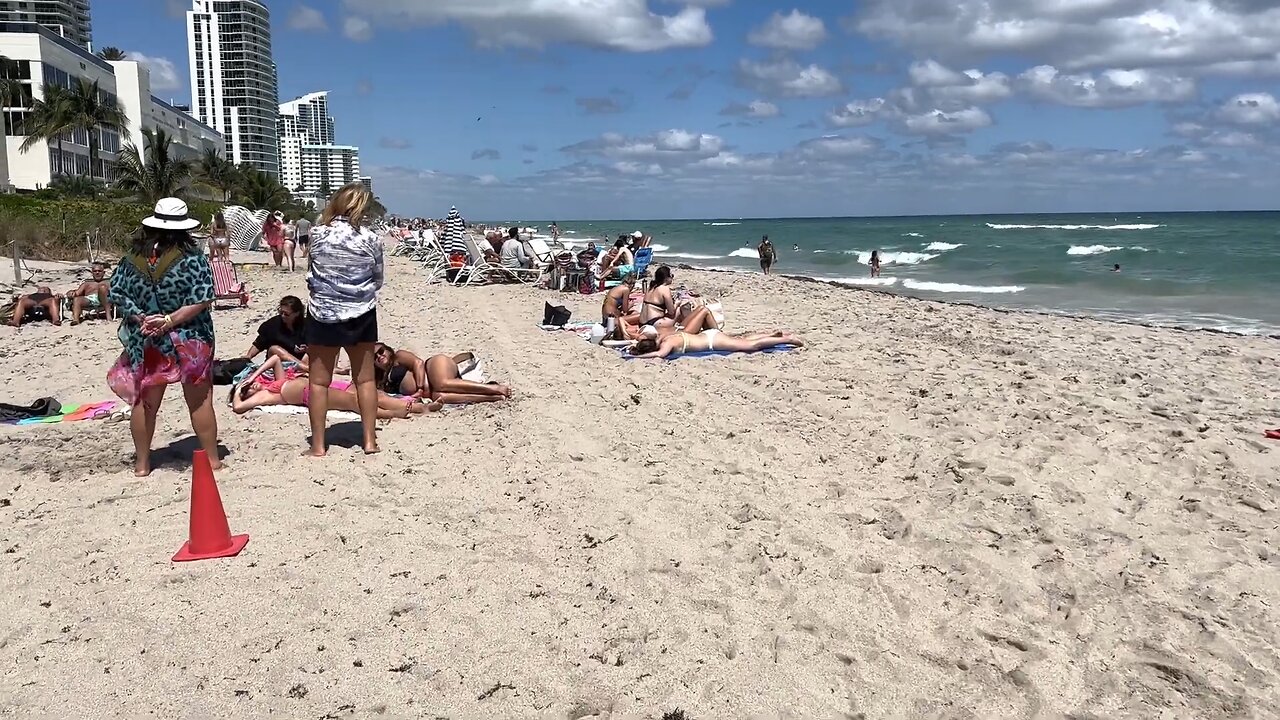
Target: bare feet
{"points": [[141, 470], [315, 452], [217, 465], [372, 449]]}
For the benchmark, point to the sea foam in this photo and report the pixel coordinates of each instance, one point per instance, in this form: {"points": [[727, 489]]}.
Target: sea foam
{"points": [[893, 258], [1100, 249], [721, 224], [1138, 226], [955, 288], [745, 253], [876, 281], [943, 247], [691, 256]]}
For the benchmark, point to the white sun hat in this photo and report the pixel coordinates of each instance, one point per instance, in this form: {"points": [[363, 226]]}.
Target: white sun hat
{"points": [[171, 214], [637, 235]]}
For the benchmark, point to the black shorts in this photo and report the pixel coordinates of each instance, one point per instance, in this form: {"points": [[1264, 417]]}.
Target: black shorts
{"points": [[344, 333], [304, 240]]}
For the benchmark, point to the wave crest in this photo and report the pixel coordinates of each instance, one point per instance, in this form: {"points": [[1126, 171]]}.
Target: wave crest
{"points": [[956, 288], [1135, 226]]}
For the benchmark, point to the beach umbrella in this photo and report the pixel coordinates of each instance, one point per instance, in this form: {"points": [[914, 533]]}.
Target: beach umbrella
{"points": [[455, 241]]}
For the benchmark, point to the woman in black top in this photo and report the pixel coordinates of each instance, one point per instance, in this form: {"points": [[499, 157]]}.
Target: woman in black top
{"points": [[282, 336]]}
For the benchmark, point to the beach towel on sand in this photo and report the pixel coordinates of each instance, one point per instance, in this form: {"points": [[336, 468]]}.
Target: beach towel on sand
{"points": [[713, 353]]}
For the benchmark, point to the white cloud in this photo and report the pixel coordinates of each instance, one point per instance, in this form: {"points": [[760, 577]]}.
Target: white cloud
{"points": [[1108, 89], [784, 77], [306, 18], [666, 146], [937, 122], [931, 73], [793, 31], [1251, 109], [164, 74], [753, 109], [1212, 35], [356, 28], [834, 147], [971, 87], [857, 113], [624, 25]]}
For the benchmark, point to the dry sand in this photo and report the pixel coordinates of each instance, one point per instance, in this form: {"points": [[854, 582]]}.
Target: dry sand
{"points": [[936, 511]]}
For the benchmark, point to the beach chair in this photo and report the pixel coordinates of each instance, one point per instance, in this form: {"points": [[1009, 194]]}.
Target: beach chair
{"points": [[644, 258], [567, 274], [477, 271], [226, 283]]}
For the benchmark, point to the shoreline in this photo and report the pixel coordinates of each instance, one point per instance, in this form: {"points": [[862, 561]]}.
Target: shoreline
{"points": [[968, 303]]}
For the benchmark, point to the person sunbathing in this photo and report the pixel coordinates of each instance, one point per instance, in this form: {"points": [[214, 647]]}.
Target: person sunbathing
{"points": [[290, 386], [42, 304], [659, 308], [92, 294], [681, 343], [615, 310], [438, 378]]}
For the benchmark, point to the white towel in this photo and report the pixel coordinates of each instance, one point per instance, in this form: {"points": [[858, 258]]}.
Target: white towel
{"points": [[299, 410]]}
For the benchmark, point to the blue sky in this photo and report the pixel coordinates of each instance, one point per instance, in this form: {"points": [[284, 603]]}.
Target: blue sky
{"points": [[728, 108]]}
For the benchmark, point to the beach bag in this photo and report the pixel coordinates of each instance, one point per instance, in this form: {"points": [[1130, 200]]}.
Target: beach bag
{"points": [[225, 371], [555, 315]]}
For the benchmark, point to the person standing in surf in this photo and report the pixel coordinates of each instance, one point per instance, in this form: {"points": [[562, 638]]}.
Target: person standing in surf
{"points": [[768, 255], [875, 263]]}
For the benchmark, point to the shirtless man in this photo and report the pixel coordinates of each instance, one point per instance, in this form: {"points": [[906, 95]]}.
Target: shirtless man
{"points": [[615, 309], [42, 302], [96, 287]]}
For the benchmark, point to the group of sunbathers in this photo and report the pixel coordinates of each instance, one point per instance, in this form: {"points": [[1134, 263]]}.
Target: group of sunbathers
{"points": [[45, 304], [407, 383], [662, 328]]}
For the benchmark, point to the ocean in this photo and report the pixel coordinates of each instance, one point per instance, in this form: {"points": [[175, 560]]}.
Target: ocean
{"points": [[1217, 271]]}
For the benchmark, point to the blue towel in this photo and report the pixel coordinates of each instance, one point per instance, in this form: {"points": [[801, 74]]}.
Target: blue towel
{"points": [[718, 353]]}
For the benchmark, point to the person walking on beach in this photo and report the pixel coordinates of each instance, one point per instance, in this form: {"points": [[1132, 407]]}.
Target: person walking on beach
{"points": [[163, 292], [345, 275], [768, 255], [875, 263], [303, 230], [273, 234]]}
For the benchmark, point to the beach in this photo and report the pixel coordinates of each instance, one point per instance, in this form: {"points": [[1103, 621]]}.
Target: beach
{"points": [[934, 510]]}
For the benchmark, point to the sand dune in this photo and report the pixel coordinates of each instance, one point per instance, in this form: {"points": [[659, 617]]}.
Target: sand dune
{"points": [[935, 511]]}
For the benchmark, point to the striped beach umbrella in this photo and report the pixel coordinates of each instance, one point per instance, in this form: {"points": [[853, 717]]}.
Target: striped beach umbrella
{"points": [[455, 240]]}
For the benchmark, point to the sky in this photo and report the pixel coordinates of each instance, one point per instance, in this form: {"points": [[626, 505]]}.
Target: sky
{"points": [[611, 109]]}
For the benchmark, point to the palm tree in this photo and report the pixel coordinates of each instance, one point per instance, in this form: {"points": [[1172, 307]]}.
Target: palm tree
{"points": [[259, 191], [218, 173], [91, 112], [49, 120], [112, 53], [155, 174]]}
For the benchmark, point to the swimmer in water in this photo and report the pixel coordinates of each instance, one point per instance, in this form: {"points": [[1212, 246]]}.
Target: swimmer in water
{"points": [[1116, 268], [795, 248]]}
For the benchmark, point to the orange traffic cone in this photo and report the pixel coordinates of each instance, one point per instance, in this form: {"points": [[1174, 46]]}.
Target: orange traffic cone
{"points": [[210, 536]]}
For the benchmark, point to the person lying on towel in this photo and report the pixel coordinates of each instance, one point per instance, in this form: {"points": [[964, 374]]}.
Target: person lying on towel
{"points": [[43, 304], [682, 343], [439, 378], [290, 386]]}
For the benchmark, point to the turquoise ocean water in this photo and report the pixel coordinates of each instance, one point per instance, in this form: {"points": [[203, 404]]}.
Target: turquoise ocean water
{"points": [[1197, 270]]}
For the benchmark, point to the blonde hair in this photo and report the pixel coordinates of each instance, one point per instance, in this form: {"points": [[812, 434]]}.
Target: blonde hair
{"points": [[351, 202]]}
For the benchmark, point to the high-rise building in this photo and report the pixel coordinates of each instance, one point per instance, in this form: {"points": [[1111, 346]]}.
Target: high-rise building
{"points": [[310, 162], [233, 78], [68, 18]]}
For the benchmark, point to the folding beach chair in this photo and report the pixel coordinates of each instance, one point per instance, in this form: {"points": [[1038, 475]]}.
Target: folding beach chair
{"points": [[477, 270], [644, 258], [567, 274], [226, 283]]}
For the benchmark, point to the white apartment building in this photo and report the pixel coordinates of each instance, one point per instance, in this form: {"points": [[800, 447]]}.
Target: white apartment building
{"points": [[233, 78], [309, 159], [68, 18], [42, 57]]}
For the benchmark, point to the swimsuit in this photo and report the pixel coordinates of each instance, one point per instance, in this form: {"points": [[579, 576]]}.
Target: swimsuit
{"points": [[654, 321]]}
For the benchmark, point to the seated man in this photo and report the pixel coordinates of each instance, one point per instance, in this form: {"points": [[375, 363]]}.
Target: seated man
{"points": [[42, 304], [92, 294], [514, 256], [619, 262]]}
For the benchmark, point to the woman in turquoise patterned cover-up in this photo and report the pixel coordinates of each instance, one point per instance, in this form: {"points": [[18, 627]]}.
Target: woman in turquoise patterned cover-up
{"points": [[163, 289]]}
